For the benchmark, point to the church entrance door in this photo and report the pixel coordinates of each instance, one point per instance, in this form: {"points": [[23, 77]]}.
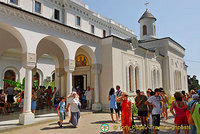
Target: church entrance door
{"points": [[80, 83]]}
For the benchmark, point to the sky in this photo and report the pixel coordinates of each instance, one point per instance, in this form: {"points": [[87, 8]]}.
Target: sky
{"points": [[178, 19]]}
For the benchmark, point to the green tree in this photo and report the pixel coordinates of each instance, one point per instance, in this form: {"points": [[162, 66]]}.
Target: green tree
{"points": [[193, 82]]}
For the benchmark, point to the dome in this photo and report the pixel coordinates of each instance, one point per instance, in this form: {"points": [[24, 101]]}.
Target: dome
{"points": [[147, 14]]}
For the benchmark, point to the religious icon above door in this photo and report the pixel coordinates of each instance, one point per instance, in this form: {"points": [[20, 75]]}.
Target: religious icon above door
{"points": [[81, 60]]}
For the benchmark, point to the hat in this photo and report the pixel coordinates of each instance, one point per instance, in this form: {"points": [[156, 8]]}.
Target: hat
{"points": [[74, 93], [192, 92], [125, 94]]}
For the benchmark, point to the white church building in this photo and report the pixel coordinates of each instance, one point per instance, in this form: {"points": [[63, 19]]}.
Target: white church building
{"points": [[66, 42]]}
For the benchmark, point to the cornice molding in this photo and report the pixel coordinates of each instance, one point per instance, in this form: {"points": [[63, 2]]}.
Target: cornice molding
{"points": [[119, 42], [49, 24]]}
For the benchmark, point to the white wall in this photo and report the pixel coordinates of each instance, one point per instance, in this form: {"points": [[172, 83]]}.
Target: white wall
{"points": [[88, 17]]}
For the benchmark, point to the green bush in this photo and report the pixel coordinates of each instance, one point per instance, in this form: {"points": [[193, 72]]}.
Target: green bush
{"points": [[170, 100], [134, 109]]}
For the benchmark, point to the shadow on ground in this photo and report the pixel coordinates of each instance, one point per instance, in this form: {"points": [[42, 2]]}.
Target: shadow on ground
{"points": [[57, 127], [101, 122], [9, 124], [64, 123]]}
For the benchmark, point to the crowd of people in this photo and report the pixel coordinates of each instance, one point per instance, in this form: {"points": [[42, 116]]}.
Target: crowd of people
{"points": [[152, 108], [40, 98]]}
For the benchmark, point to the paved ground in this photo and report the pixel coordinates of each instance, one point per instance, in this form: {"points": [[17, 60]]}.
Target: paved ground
{"points": [[89, 124]]}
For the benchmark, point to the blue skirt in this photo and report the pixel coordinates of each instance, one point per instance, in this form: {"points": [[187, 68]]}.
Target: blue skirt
{"points": [[33, 105]]}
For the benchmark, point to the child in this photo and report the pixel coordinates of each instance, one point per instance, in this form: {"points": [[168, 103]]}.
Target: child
{"points": [[61, 111]]}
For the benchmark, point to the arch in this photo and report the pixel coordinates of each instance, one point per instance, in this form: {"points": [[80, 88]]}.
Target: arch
{"points": [[55, 48], [16, 72], [90, 52], [13, 69], [59, 44], [13, 31], [144, 28], [129, 76]]}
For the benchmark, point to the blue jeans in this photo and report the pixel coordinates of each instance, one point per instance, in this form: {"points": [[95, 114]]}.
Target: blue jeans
{"points": [[193, 129]]}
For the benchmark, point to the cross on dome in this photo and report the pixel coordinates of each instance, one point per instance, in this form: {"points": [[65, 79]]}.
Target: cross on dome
{"points": [[146, 4]]}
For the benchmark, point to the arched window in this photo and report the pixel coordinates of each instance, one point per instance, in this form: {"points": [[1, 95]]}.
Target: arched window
{"points": [[177, 80], [154, 79], [9, 75], [53, 77], [180, 82], [158, 79], [144, 30], [136, 78], [130, 78], [37, 77]]}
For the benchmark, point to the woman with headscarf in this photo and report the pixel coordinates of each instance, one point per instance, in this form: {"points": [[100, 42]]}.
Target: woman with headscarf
{"points": [[74, 105]]}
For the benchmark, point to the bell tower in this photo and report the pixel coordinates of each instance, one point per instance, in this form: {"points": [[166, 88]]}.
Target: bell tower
{"points": [[147, 25]]}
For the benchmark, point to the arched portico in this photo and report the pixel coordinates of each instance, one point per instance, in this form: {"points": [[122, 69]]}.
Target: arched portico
{"points": [[13, 42], [55, 49], [12, 37], [86, 72]]}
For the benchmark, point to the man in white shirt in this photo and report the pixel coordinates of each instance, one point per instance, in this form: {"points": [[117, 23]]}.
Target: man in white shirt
{"points": [[88, 95], [155, 101]]}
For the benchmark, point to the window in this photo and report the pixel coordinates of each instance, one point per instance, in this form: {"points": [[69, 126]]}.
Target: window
{"points": [[56, 14], [9, 75], [37, 7], [92, 28], [144, 30], [14, 2], [154, 79], [130, 80], [36, 78], [177, 80], [104, 33], [158, 79], [78, 21], [136, 78], [53, 77]]}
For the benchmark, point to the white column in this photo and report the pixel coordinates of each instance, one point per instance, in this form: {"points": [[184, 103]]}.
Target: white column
{"points": [[27, 117], [96, 88], [58, 83], [69, 82], [96, 106], [85, 82], [28, 91], [69, 86]]}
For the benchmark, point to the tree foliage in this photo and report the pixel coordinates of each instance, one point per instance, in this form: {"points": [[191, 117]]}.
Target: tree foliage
{"points": [[193, 82]]}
